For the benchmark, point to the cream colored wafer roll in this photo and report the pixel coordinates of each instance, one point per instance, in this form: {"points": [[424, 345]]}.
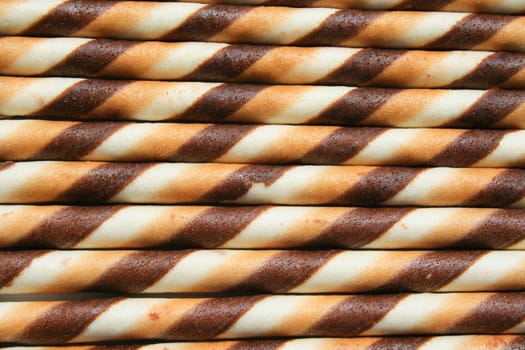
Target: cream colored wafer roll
{"points": [[472, 342], [269, 144], [197, 61], [250, 227], [181, 21], [266, 271], [258, 316], [97, 182], [70, 98]]}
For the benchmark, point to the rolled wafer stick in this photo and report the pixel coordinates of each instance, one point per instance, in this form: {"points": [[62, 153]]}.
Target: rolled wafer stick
{"points": [[264, 25], [260, 227], [452, 342], [261, 316], [268, 271], [270, 144], [96, 182], [197, 61], [146, 100]]}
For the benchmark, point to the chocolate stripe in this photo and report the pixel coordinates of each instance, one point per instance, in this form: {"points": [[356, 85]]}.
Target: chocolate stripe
{"points": [[211, 143], [496, 314], [69, 17], [82, 98], [211, 318], [240, 182], [214, 227], [207, 22], [285, 271], [137, 271], [354, 315], [221, 102], [468, 148], [504, 189], [340, 26], [501, 229], [90, 58], [362, 67], [378, 186], [492, 71], [228, 63], [258, 345], [12, 263], [491, 107], [355, 106], [102, 183], [5, 165], [471, 31], [64, 321], [341, 145], [431, 271], [67, 227], [422, 5], [400, 343], [77, 141], [116, 347], [358, 227]]}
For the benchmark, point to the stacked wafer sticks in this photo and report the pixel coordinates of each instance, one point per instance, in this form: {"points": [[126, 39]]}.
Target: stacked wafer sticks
{"points": [[335, 175]]}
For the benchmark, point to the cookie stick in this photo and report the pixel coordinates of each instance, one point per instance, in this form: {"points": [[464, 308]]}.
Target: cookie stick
{"points": [[70, 98], [265, 25], [197, 61], [170, 183], [261, 316], [269, 144]]}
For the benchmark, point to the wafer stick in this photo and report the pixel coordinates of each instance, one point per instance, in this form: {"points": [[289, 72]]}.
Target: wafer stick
{"points": [[264, 25], [268, 271], [94, 182], [270, 144], [478, 342], [145, 100], [196, 61], [261, 316]]}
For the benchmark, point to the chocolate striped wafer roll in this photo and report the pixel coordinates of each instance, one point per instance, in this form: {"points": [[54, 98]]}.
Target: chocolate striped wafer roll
{"points": [[176, 21], [97, 182], [259, 227], [269, 144], [69, 98], [59, 322], [266, 271], [197, 61], [451, 342]]}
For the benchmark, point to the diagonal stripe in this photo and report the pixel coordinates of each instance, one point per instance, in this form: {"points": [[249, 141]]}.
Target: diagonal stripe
{"points": [[358, 227], [77, 141], [64, 321], [363, 66], [211, 143], [210, 318], [69, 17], [468, 148], [341, 145], [422, 5], [67, 227], [214, 227], [378, 186], [471, 31], [285, 271], [82, 98], [495, 314], [258, 345], [116, 347], [206, 22], [137, 271], [504, 189], [102, 183], [431, 271], [399, 343], [354, 315], [90, 58], [12, 263]]}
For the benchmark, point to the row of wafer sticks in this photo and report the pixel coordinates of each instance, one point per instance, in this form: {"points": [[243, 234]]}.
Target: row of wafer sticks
{"points": [[252, 172]]}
